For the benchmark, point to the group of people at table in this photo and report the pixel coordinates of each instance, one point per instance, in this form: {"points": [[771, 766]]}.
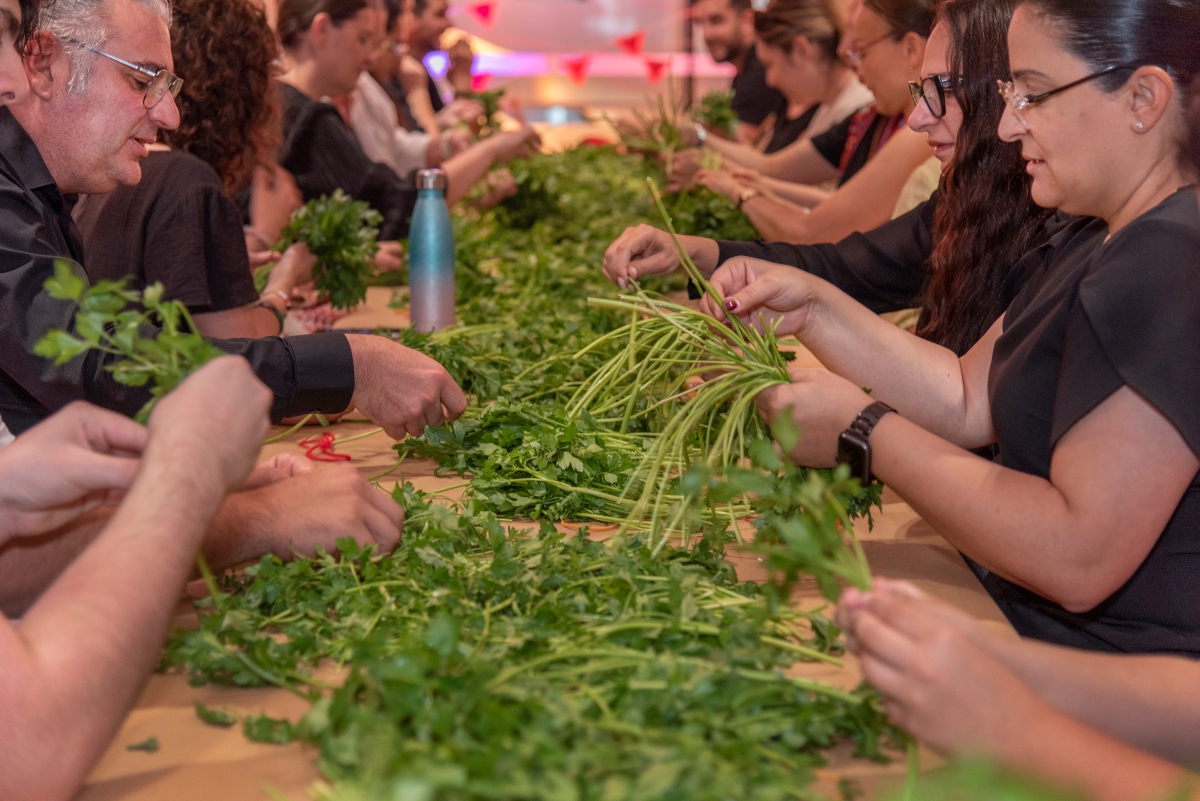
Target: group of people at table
{"points": [[1043, 418]]}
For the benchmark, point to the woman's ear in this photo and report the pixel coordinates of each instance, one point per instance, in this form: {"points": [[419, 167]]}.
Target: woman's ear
{"points": [[914, 51], [318, 32], [1152, 92], [41, 53], [802, 50]]}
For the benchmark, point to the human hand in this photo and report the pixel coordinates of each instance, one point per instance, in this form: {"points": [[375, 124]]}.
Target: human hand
{"points": [[762, 293], [294, 269], [639, 252], [684, 166], [260, 257], [501, 185], [223, 395], [854, 601], [721, 182], [79, 459], [822, 404], [460, 110], [312, 508], [401, 390], [390, 256], [455, 141], [509, 145], [938, 683], [750, 179], [462, 60], [278, 468]]}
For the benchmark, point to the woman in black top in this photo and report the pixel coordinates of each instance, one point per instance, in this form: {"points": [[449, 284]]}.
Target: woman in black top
{"points": [[953, 255], [179, 225], [329, 43], [1087, 529]]}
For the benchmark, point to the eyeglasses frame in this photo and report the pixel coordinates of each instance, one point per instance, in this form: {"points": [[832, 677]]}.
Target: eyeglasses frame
{"points": [[855, 54], [1018, 103], [944, 84], [170, 84]]}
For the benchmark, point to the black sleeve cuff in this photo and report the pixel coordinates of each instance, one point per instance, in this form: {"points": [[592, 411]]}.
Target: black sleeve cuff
{"points": [[727, 250], [324, 376]]}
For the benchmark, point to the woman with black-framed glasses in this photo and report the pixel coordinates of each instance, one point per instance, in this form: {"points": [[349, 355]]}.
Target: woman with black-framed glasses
{"points": [[952, 256], [1086, 530]]}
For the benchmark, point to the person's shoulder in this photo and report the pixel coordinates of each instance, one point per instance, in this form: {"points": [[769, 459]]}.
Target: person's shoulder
{"points": [[182, 167], [1170, 229]]}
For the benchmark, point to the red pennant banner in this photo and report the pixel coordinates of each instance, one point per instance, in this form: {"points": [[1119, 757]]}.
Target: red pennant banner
{"points": [[656, 69], [481, 82], [633, 44], [577, 69], [484, 13]]}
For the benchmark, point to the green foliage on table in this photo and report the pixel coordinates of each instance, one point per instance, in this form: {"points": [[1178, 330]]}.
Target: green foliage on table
{"points": [[715, 112], [492, 663], [341, 233], [122, 323]]}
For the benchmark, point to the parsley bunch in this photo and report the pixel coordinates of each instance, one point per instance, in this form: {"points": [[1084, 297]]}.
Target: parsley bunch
{"points": [[486, 663], [105, 323], [341, 233], [715, 112]]}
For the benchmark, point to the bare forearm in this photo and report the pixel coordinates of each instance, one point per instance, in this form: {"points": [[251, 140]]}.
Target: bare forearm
{"points": [[467, 169], [924, 381], [84, 650], [705, 253], [1067, 753], [740, 154], [1149, 702], [777, 220], [800, 194]]}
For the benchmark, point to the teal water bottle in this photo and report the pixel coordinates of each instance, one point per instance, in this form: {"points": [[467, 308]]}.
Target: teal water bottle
{"points": [[431, 256]]}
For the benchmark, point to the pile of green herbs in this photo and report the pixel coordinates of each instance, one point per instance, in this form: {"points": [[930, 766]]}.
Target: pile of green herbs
{"points": [[529, 341], [120, 323], [477, 662], [342, 234]]}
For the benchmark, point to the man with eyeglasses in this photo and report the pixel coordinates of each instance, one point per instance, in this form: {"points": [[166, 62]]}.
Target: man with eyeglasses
{"points": [[100, 89]]}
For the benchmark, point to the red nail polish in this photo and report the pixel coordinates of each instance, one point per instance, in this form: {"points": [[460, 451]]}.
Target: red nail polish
{"points": [[731, 305]]}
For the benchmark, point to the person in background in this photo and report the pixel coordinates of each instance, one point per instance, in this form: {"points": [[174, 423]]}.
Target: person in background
{"points": [[84, 129], [376, 126], [179, 225], [954, 255], [728, 30], [1087, 384], [423, 37], [889, 46], [329, 43], [797, 45]]}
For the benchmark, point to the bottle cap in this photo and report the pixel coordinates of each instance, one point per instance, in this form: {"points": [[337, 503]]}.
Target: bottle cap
{"points": [[431, 179]]}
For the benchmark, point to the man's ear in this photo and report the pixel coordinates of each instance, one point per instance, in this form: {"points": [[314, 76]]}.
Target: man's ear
{"points": [[40, 54], [322, 24]]}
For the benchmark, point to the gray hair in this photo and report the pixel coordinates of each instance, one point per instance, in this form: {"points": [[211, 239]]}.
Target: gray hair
{"points": [[86, 22]]}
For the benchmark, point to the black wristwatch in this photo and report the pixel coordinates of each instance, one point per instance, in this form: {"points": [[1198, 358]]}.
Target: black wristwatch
{"points": [[854, 445]]}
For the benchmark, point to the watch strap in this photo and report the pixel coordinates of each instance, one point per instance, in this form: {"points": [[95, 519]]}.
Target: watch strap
{"points": [[869, 418]]}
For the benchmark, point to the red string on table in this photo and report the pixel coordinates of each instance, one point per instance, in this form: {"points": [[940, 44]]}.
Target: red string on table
{"points": [[320, 449]]}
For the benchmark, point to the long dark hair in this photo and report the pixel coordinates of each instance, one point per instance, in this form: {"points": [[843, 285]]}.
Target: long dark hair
{"points": [[1191, 141], [228, 109], [296, 16], [986, 219]]}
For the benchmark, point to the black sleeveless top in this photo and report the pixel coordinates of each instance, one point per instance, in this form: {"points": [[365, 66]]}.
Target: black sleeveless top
{"points": [[1093, 317]]}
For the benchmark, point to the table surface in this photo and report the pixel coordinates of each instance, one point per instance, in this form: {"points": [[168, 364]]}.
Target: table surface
{"points": [[197, 761]]}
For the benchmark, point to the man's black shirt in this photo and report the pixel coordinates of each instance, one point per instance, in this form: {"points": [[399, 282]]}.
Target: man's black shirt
{"points": [[306, 374], [753, 100]]}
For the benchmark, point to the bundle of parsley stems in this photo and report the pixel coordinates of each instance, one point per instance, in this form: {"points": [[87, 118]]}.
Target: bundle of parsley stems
{"points": [[671, 348]]}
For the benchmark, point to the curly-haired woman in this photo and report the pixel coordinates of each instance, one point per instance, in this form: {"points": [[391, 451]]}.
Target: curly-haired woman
{"points": [[180, 225]]}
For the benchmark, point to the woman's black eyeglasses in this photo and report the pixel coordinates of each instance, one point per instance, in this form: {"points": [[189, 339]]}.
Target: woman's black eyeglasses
{"points": [[933, 91]]}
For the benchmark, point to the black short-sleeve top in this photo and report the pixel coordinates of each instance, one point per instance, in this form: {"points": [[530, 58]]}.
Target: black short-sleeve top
{"points": [[1095, 316], [177, 227], [850, 144], [753, 99]]}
